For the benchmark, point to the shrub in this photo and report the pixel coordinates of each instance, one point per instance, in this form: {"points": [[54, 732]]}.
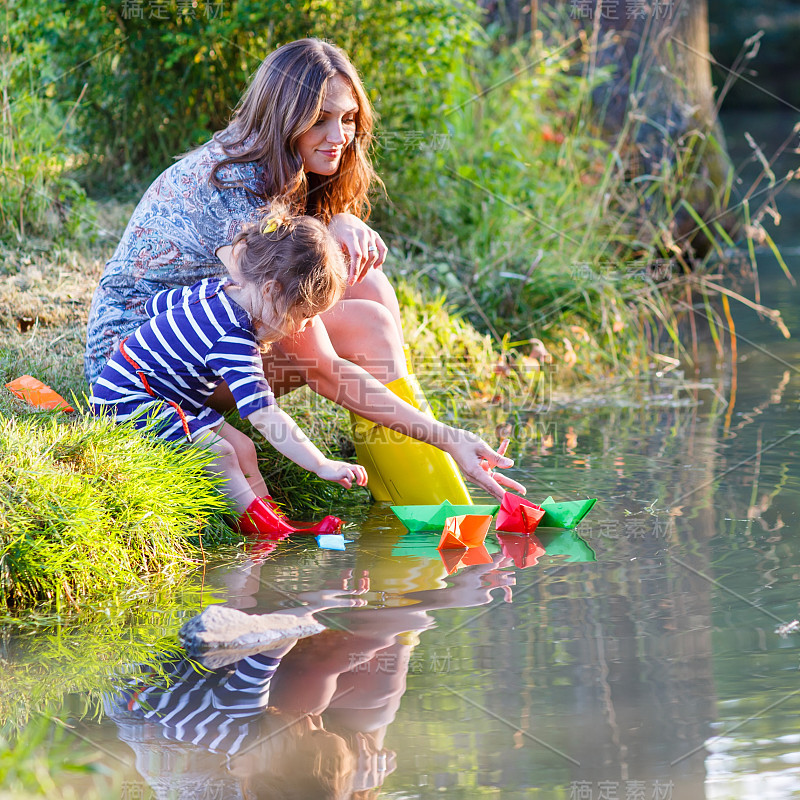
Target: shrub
{"points": [[37, 195], [161, 76]]}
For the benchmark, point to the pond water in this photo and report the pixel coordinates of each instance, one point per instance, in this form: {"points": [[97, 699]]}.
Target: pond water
{"points": [[636, 657]]}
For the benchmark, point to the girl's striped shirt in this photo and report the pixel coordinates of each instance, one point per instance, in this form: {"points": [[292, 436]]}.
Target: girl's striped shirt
{"points": [[212, 709], [196, 338]]}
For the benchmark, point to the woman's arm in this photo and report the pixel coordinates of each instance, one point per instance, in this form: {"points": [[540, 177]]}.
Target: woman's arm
{"points": [[356, 390], [283, 433]]}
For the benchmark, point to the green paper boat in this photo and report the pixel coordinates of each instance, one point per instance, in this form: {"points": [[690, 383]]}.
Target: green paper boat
{"points": [[566, 543], [420, 544], [564, 515], [433, 518]]}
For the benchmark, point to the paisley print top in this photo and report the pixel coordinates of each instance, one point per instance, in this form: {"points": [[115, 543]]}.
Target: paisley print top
{"points": [[171, 241]]}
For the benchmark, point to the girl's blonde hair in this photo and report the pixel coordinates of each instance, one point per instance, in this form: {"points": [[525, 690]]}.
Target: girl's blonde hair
{"points": [[298, 260], [283, 101]]}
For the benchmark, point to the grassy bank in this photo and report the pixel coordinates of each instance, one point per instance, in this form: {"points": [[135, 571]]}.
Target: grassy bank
{"points": [[89, 508]]}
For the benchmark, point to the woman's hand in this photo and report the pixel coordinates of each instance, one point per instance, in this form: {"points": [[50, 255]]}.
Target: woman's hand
{"points": [[343, 473], [372, 764], [363, 245], [470, 452]]}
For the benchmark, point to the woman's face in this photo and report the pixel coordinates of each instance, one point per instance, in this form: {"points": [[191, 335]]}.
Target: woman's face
{"points": [[322, 145]]}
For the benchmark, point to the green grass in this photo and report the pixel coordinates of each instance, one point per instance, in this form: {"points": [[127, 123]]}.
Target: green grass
{"points": [[90, 508], [532, 222]]}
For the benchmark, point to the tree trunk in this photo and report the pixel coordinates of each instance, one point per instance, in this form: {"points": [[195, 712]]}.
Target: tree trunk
{"points": [[659, 108]]}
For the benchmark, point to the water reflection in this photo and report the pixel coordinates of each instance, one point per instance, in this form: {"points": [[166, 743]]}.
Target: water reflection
{"points": [[308, 719]]}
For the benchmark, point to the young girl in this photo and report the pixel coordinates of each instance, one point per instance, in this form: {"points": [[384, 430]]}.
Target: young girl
{"points": [[288, 271]]}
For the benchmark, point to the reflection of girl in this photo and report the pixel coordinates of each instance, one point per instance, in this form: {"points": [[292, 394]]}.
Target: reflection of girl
{"points": [[301, 133], [266, 715], [260, 752]]}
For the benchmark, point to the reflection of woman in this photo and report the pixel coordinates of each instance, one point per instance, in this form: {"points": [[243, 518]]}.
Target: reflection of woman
{"points": [[260, 723], [302, 133]]}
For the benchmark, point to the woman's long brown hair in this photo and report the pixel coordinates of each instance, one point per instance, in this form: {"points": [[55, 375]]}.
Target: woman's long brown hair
{"points": [[283, 101]]}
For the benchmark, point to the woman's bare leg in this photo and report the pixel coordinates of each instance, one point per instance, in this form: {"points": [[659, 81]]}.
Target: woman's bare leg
{"points": [[364, 328], [377, 288], [364, 332]]}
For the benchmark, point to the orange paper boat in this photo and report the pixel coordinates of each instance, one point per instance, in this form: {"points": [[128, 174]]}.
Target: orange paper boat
{"points": [[468, 530], [455, 559], [518, 515], [37, 394], [524, 551]]}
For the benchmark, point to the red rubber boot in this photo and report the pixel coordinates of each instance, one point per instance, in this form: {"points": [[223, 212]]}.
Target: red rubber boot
{"points": [[329, 524], [262, 518]]}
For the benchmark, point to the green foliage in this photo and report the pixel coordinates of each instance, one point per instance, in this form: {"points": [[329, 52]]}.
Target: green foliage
{"points": [[90, 508], [512, 217], [461, 369], [37, 196], [160, 82], [516, 206]]}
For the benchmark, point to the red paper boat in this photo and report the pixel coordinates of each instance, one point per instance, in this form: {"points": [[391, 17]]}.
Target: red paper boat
{"points": [[518, 515], [468, 530], [524, 551], [455, 559]]}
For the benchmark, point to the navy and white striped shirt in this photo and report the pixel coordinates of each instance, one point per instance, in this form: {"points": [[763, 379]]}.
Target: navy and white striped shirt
{"points": [[212, 709], [197, 337]]}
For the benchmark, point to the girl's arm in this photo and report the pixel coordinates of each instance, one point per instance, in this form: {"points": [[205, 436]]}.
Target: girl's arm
{"points": [[283, 433]]}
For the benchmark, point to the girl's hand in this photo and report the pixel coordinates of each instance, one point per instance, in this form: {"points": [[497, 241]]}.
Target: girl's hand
{"points": [[342, 473], [470, 452], [363, 245]]}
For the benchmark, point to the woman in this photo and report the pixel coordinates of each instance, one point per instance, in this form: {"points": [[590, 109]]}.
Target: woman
{"points": [[301, 133]]}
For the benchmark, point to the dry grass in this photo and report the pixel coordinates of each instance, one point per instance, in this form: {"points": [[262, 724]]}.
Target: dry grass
{"points": [[47, 294]]}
